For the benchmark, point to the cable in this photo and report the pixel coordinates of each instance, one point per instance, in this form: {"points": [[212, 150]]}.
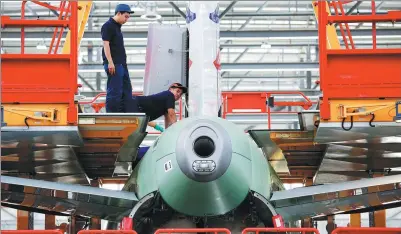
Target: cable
{"points": [[352, 122], [26, 122], [371, 120], [350, 127]]}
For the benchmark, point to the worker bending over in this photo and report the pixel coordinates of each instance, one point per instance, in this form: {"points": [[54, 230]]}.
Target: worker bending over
{"points": [[119, 97], [160, 104]]}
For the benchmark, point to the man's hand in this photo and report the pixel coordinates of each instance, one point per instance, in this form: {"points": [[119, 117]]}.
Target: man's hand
{"points": [[156, 126], [159, 128], [112, 68]]}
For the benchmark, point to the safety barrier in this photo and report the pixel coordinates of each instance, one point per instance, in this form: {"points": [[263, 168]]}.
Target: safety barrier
{"points": [[340, 230], [192, 230], [281, 230], [31, 232], [234, 103], [107, 232], [356, 230], [97, 106]]}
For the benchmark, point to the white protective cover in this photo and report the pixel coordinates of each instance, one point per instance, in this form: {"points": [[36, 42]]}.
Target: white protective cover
{"points": [[166, 57], [204, 75]]}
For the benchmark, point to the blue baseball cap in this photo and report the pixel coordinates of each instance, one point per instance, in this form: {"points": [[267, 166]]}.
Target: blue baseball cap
{"points": [[123, 8]]}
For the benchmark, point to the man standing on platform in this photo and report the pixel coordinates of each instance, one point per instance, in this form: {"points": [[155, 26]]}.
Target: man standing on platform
{"points": [[119, 89]]}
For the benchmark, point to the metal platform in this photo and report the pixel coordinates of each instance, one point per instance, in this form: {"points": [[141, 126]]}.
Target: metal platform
{"points": [[271, 150], [49, 163], [353, 161], [50, 135], [292, 153], [333, 132], [111, 142], [104, 145], [66, 198], [322, 200], [360, 152]]}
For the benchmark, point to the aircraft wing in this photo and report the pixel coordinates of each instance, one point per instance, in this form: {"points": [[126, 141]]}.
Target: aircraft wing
{"points": [[323, 200], [53, 197]]}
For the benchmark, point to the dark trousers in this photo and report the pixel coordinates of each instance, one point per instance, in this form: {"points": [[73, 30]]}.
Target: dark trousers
{"points": [[119, 90]]}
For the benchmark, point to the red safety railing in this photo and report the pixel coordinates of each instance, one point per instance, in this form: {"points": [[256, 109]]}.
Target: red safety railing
{"points": [[97, 106], [281, 230], [62, 15], [32, 232], [352, 73], [62, 20], [305, 105], [357, 230], [255, 102], [235, 103], [338, 6], [107, 232], [192, 230]]}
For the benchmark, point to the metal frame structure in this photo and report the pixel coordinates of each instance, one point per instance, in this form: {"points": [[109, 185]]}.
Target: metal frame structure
{"points": [[247, 66], [342, 76], [36, 88], [289, 28]]}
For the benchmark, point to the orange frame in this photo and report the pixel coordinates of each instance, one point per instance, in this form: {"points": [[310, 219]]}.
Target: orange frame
{"points": [[233, 101], [349, 230], [356, 73], [107, 232], [192, 230], [31, 231], [258, 230], [43, 78]]}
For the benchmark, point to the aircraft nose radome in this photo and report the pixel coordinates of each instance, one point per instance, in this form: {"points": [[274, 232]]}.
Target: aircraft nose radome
{"points": [[204, 150]]}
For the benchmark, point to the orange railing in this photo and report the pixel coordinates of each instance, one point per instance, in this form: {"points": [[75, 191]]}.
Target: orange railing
{"points": [[280, 230], [305, 105], [255, 102], [352, 230], [43, 78], [62, 21], [351, 72], [31, 232], [107, 232], [97, 106], [192, 230], [235, 103], [340, 230]]}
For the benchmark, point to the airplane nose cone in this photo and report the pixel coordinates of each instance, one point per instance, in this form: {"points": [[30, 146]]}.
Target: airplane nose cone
{"points": [[204, 151]]}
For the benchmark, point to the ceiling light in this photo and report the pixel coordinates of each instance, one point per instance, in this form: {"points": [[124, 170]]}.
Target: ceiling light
{"points": [[150, 12]]}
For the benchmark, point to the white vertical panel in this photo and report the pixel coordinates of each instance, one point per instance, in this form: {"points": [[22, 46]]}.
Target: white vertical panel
{"points": [[204, 77]]}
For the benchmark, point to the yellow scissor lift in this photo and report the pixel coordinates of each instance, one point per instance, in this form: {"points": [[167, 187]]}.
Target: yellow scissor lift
{"points": [[115, 136], [357, 95]]}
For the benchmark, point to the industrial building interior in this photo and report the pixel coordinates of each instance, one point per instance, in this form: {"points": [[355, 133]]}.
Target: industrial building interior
{"points": [[266, 48]]}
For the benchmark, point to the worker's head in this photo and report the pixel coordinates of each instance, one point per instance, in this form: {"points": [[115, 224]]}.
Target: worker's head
{"points": [[177, 89], [122, 13]]}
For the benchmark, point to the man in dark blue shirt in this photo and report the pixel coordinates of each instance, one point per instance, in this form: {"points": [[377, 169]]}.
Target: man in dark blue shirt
{"points": [[119, 89], [160, 104]]}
